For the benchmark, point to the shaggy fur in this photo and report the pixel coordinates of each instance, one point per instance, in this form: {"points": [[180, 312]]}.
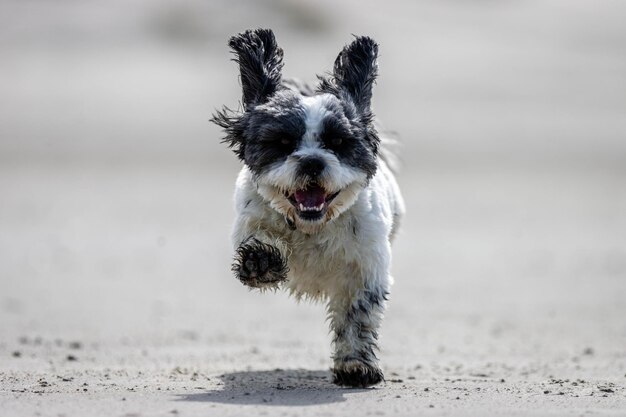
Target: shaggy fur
{"points": [[316, 203]]}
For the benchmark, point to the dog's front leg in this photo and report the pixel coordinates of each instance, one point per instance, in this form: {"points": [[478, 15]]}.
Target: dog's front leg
{"points": [[261, 257], [260, 262], [355, 322]]}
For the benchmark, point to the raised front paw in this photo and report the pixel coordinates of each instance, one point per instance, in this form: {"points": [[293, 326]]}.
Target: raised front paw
{"points": [[356, 374], [259, 265]]}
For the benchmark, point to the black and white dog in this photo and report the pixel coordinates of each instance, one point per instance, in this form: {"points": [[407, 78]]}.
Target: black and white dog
{"points": [[316, 202]]}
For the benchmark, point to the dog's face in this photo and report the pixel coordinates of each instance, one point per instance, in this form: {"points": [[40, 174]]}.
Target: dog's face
{"points": [[310, 159], [311, 152]]}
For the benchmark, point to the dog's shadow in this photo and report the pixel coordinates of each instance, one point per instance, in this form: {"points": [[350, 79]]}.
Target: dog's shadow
{"points": [[278, 387]]}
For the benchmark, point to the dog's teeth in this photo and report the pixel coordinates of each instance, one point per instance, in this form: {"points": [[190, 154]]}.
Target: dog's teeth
{"points": [[302, 207]]}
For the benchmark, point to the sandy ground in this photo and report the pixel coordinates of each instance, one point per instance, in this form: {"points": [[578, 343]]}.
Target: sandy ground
{"points": [[116, 297], [500, 307]]}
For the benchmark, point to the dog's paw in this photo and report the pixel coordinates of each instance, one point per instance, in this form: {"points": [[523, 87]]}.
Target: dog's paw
{"points": [[259, 265], [356, 374]]}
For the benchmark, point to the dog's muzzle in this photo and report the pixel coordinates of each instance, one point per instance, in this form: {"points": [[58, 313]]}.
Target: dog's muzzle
{"points": [[311, 203]]}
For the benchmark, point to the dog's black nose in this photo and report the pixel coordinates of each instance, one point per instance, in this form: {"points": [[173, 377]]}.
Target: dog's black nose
{"points": [[311, 166]]}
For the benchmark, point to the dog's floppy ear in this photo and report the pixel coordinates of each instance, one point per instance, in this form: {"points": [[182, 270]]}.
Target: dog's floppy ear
{"points": [[260, 62], [355, 71]]}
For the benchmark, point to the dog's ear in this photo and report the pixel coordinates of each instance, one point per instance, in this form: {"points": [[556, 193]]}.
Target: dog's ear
{"points": [[355, 72], [260, 62]]}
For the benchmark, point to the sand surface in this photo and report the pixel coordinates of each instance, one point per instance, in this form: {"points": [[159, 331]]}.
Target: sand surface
{"points": [[116, 297]]}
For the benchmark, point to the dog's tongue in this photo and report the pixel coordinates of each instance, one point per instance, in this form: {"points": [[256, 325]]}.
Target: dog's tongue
{"points": [[312, 196]]}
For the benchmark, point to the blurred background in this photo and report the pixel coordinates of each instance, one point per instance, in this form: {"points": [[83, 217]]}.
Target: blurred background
{"points": [[116, 194]]}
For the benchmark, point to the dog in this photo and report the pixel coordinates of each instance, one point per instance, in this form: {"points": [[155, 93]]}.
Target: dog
{"points": [[317, 203]]}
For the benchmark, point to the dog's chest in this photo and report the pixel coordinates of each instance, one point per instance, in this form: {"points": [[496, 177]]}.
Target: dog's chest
{"points": [[324, 262]]}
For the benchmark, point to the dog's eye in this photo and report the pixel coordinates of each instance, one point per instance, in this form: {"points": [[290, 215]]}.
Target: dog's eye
{"points": [[336, 141], [279, 140], [335, 136]]}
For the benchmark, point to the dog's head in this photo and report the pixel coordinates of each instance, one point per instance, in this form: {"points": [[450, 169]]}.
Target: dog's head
{"points": [[311, 152]]}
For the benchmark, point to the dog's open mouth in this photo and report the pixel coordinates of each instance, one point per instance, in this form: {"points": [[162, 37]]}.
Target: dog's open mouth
{"points": [[311, 203]]}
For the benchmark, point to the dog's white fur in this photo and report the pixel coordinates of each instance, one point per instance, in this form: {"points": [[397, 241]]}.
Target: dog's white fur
{"points": [[322, 257], [349, 253], [340, 251], [330, 263]]}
